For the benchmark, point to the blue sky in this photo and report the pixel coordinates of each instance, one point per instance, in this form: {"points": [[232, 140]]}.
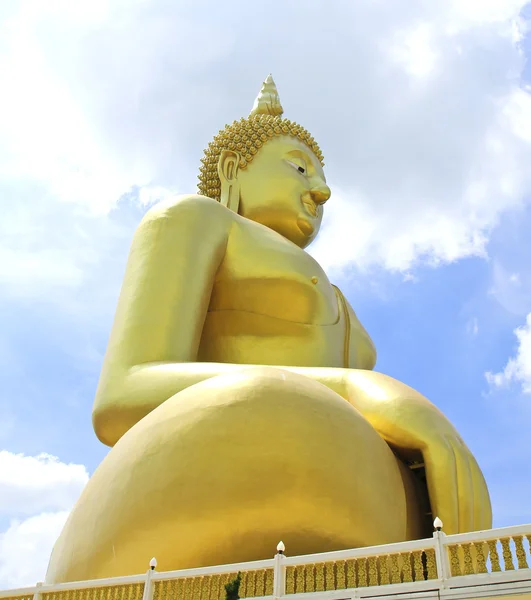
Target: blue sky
{"points": [[424, 117]]}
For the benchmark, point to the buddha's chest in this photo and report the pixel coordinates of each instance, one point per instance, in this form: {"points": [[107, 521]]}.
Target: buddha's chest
{"points": [[264, 273]]}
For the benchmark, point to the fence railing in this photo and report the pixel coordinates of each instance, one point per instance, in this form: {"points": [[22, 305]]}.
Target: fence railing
{"points": [[496, 556]]}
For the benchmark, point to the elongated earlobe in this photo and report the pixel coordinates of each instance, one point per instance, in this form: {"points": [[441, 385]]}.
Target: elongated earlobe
{"points": [[228, 166]]}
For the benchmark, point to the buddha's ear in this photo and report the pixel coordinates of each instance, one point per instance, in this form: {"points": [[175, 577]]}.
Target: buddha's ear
{"points": [[228, 166]]}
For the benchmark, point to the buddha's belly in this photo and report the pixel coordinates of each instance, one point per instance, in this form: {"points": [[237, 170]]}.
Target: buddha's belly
{"points": [[249, 338]]}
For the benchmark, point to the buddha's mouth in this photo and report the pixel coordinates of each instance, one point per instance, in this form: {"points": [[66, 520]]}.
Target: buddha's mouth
{"points": [[306, 227], [311, 206]]}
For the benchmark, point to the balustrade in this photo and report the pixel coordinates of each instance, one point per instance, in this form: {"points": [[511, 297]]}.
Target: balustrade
{"points": [[441, 563]]}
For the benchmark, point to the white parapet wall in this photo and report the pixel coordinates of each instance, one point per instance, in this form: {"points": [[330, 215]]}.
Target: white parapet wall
{"points": [[486, 564]]}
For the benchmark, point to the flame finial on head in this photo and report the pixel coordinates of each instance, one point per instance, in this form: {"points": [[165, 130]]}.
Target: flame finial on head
{"points": [[246, 136], [267, 101]]}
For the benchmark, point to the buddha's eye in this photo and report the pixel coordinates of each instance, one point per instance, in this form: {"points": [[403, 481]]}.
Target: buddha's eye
{"points": [[300, 168]]}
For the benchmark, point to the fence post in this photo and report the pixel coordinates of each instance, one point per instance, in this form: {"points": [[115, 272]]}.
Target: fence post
{"points": [[37, 593], [148, 586], [441, 557], [279, 580]]}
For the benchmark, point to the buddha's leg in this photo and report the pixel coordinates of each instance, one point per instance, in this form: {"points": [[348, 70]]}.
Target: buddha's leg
{"points": [[222, 471]]}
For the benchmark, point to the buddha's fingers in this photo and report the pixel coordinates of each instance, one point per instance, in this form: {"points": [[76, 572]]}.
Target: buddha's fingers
{"points": [[465, 486], [441, 475]]}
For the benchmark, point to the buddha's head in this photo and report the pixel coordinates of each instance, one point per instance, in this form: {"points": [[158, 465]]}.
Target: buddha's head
{"points": [[269, 170]]}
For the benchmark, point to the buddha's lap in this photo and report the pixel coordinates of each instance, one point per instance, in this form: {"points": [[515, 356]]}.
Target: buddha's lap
{"points": [[222, 471]]}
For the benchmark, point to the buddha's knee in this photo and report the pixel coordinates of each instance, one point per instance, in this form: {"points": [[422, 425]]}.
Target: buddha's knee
{"points": [[266, 423], [223, 470], [270, 442]]}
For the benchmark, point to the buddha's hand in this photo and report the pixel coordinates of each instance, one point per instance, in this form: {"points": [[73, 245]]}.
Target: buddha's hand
{"points": [[408, 421]]}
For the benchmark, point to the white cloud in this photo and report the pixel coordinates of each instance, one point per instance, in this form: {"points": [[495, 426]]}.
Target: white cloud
{"points": [[518, 368], [36, 495], [476, 12], [418, 106], [413, 49], [25, 549], [53, 252], [32, 484]]}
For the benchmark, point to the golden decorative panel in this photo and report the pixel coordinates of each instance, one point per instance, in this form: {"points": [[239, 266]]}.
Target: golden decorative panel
{"points": [[131, 591], [361, 572], [212, 587], [485, 556]]}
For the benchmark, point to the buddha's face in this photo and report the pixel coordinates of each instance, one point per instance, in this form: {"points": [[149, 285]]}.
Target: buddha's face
{"points": [[284, 188]]}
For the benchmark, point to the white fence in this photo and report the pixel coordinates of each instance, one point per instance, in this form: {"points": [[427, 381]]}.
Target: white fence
{"points": [[472, 565]]}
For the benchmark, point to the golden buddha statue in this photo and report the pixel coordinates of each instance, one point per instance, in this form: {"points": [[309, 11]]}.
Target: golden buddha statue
{"points": [[237, 391]]}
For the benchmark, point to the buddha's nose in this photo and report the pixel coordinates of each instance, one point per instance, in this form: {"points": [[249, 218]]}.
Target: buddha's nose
{"points": [[320, 193]]}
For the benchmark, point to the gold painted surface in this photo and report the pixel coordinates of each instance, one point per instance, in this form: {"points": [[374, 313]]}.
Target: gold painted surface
{"points": [[215, 590], [455, 563], [469, 566], [330, 578], [178, 586], [163, 590], [363, 581], [520, 552], [507, 554], [269, 582], [260, 583], [383, 562], [300, 576], [132, 591], [407, 575], [244, 592], [494, 558], [223, 316], [186, 589], [418, 567], [290, 580], [480, 557], [196, 588], [319, 577], [226, 579], [309, 573], [395, 570], [341, 581], [351, 573], [251, 583], [431, 565], [245, 137], [373, 573]]}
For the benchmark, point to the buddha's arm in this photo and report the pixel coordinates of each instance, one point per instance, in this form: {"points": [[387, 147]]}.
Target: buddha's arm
{"points": [[174, 258], [417, 428], [144, 387], [362, 348]]}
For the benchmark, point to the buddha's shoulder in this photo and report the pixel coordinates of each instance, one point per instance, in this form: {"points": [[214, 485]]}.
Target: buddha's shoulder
{"points": [[189, 207]]}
